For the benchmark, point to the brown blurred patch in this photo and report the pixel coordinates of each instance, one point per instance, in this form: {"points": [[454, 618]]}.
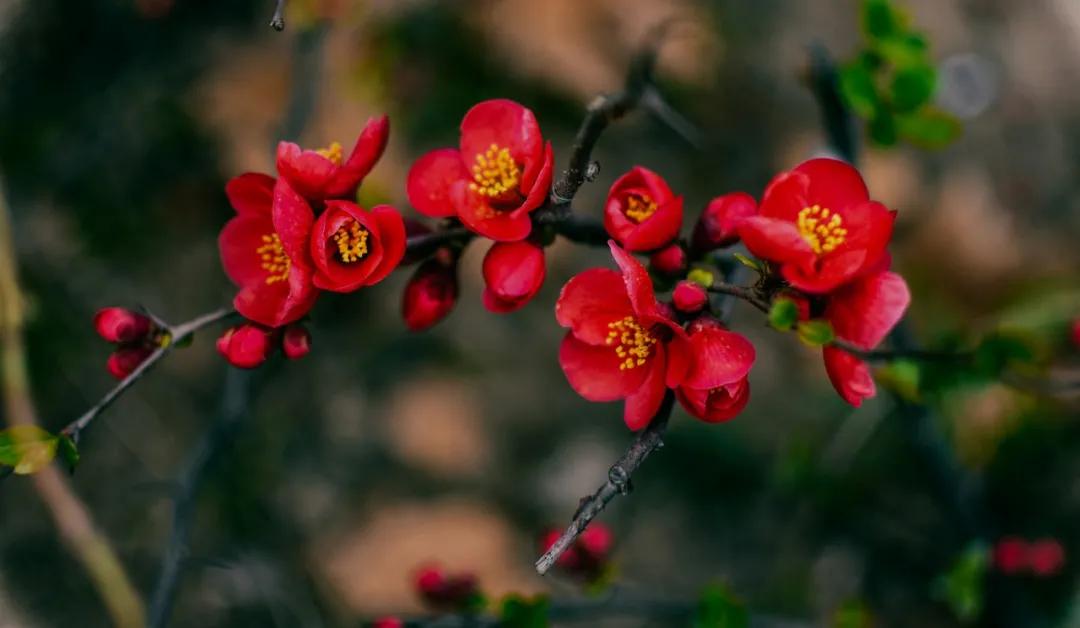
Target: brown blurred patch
{"points": [[371, 566], [437, 425]]}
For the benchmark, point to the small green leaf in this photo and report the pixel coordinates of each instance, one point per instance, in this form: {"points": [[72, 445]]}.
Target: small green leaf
{"points": [[880, 19], [520, 612], [852, 614], [882, 128], [902, 378], [750, 262], [962, 587], [718, 608], [857, 88], [904, 51], [783, 314], [930, 128], [69, 452], [701, 277], [27, 448], [816, 333], [912, 87]]}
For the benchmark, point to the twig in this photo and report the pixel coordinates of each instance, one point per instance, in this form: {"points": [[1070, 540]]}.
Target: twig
{"points": [[745, 293], [216, 439], [425, 243], [618, 483], [277, 21], [840, 126], [912, 353]]}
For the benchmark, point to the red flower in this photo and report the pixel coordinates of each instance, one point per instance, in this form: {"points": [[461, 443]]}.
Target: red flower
{"points": [[642, 213], [719, 224], [1010, 555], [689, 297], [501, 172], [588, 555], [126, 359], [246, 345], [388, 622], [620, 345], [862, 313], [321, 174], [446, 591], [716, 388], [264, 250], [818, 223], [513, 273], [295, 341], [670, 260], [431, 292], [352, 247], [1075, 333], [119, 325], [1046, 557]]}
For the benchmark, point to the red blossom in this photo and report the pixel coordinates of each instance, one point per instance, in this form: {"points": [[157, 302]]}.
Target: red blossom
{"points": [[1046, 557], [431, 292], [689, 297], [1075, 333], [716, 388], [589, 554], [120, 325], [264, 250], [500, 172], [126, 359], [670, 260], [388, 622], [718, 225], [323, 174], [445, 591], [246, 345], [1010, 555], [295, 341], [620, 344], [513, 273], [818, 223], [352, 247], [642, 213]]}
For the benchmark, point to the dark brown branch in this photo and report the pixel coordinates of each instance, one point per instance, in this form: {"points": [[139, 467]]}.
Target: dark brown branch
{"points": [[888, 355], [618, 483], [277, 21], [745, 293], [424, 244]]}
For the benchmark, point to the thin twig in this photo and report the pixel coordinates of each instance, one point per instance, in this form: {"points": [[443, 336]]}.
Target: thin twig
{"points": [[912, 353], [277, 21], [746, 293], [841, 128]]}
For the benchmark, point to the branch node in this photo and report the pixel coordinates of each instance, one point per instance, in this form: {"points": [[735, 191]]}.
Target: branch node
{"points": [[592, 171]]}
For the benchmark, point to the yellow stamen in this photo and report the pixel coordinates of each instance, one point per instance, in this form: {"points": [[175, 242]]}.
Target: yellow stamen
{"points": [[822, 229], [274, 260], [495, 173], [639, 208], [633, 343], [351, 240], [332, 152]]}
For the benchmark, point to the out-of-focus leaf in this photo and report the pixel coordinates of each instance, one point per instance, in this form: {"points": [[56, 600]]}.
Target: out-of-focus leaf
{"points": [[857, 88], [1001, 350], [521, 612], [881, 20], [852, 614], [882, 128], [718, 608], [783, 314], [912, 87], [750, 262], [962, 587], [27, 448], [816, 332], [930, 128], [701, 277], [904, 51], [69, 452], [901, 377]]}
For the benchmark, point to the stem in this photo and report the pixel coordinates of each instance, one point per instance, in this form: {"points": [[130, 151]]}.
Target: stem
{"points": [[745, 293], [277, 21]]}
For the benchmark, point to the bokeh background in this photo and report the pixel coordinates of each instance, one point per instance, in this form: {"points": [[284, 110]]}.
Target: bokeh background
{"points": [[121, 120]]}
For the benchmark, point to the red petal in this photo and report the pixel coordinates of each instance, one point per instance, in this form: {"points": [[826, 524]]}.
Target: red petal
{"points": [[251, 193], [680, 356], [834, 184], [822, 275], [593, 371], [514, 270], [865, 311], [538, 191], [869, 229], [391, 239], [307, 171], [366, 152], [480, 217], [293, 219], [641, 406], [775, 240], [721, 357], [719, 223], [785, 196], [717, 405], [638, 283], [504, 123], [331, 273], [849, 376], [591, 300], [430, 179], [237, 244]]}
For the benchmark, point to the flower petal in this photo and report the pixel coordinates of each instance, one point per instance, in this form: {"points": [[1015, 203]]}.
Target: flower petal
{"points": [[775, 240], [642, 405], [365, 154], [849, 375], [593, 371], [721, 357], [638, 283], [251, 193], [430, 179], [591, 300], [293, 219], [391, 239], [865, 311], [479, 216], [238, 242], [505, 124], [514, 270], [307, 171], [785, 196], [834, 184]]}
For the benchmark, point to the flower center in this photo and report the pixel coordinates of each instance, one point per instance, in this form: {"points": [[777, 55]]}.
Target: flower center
{"points": [[633, 343], [495, 173], [352, 242], [639, 208], [821, 228], [332, 152], [274, 260]]}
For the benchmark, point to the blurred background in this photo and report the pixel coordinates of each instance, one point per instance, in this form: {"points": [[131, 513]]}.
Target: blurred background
{"points": [[121, 120]]}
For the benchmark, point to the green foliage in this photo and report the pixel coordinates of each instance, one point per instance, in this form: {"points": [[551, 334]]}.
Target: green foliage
{"points": [[521, 612], [962, 587], [749, 262], [902, 378], [852, 614], [718, 608], [701, 277], [783, 314], [891, 82], [27, 448], [816, 333], [69, 452]]}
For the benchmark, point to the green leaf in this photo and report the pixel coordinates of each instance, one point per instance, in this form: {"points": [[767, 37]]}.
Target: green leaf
{"points": [[718, 608], [749, 262], [852, 614], [783, 314], [901, 377], [882, 128], [816, 333], [69, 452], [930, 128], [27, 448], [520, 612], [904, 51], [912, 87], [880, 19], [1001, 350], [962, 587], [701, 277], [857, 88]]}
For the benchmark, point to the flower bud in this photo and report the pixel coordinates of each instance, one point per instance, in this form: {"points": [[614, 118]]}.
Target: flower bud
{"points": [[719, 223], [119, 325], [296, 341], [1076, 333], [588, 556], [1046, 557], [430, 294], [245, 346], [124, 360], [388, 622], [689, 297], [513, 273], [446, 591], [1010, 555], [670, 260]]}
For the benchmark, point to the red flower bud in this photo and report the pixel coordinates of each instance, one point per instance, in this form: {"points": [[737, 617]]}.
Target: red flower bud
{"points": [[670, 260], [588, 556], [596, 541], [126, 359], [1010, 555], [388, 622], [719, 223], [641, 212], [716, 388], [296, 342], [1076, 333], [119, 325], [430, 294], [245, 346], [1046, 557], [445, 591], [689, 297], [513, 273]]}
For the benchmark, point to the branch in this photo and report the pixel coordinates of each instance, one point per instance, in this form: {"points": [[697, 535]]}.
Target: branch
{"points": [[618, 483], [277, 21], [901, 353], [746, 293], [840, 126]]}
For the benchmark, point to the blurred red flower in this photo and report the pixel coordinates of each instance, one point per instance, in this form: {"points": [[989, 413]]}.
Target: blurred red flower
{"points": [[719, 224], [716, 388], [126, 359], [588, 556], [513, 273], [446, 591], [295, 341], [323, 174], [642, 213], [246, 345], [352, 247]]}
